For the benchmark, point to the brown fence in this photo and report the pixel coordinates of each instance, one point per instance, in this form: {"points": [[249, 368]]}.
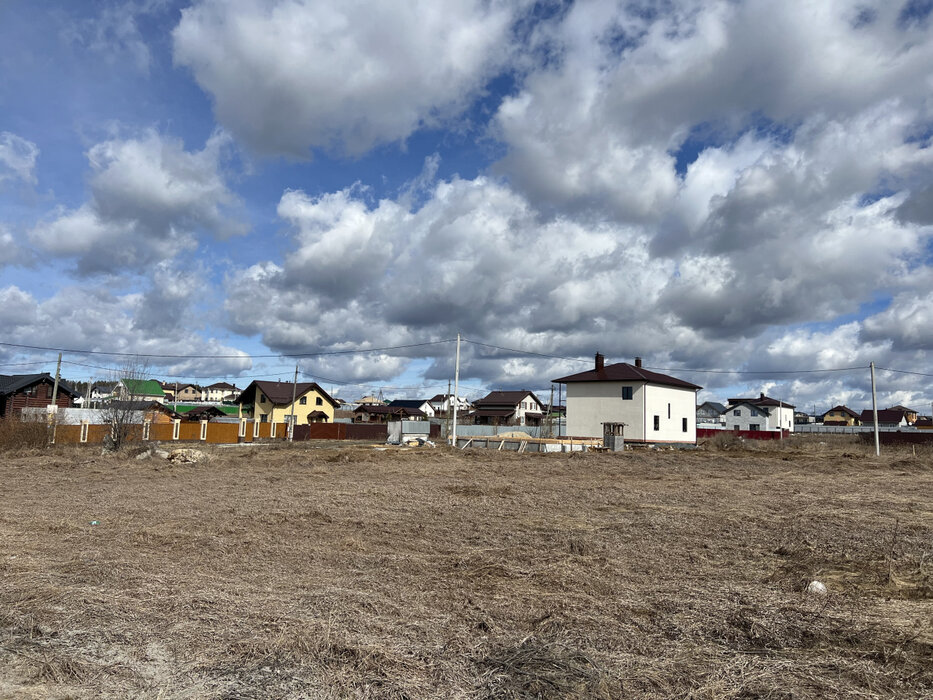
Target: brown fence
{"points": [[188, 431], [703, 433], [342, 431]]}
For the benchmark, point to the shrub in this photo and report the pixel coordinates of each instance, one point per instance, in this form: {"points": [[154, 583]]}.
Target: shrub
{"points": [[17, 434]]}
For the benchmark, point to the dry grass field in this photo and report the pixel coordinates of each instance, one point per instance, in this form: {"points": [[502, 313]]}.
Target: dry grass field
{"points": [[356, 573]]}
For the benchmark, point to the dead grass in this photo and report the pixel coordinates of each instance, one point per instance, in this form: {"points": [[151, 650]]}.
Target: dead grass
{"points": [[353, 573]]}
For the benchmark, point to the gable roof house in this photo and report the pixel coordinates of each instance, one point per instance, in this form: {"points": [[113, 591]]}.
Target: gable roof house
{"points": [[139, 390], [841, 415], [909, 413], [422, 405], [442, 403], [508, 408], [271, 402], [780, 414], [219, 391], [653, 407], [887, 418], [710, 412], [19, 391], [383, 414]]}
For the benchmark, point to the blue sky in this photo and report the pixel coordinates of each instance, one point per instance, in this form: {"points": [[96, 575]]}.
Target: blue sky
{"points": [[708, 185]]}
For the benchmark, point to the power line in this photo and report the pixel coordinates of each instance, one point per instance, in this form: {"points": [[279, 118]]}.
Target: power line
{"points": [[758, 371], [244, 356], [524, 352], [904, 371]]}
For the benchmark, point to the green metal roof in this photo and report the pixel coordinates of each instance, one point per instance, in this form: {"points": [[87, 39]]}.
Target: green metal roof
{"points": [[143, 387]]}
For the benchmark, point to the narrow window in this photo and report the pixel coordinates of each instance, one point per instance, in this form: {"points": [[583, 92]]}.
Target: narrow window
{"points": [[685, 424], [626, 393], [668, 411], [303, 401], [318, 401], [262, 399], [657, 422]]}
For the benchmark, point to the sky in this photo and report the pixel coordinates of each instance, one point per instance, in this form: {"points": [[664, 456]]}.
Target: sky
{"points": [[739, 192]]}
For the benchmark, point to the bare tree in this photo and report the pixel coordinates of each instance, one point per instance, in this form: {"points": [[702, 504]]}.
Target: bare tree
{"points": [[125, 408]]}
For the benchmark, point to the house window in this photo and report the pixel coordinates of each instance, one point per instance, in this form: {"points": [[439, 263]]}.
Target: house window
{"points": [[303, 400], [754, 426], [754, 412], [668, 411], [263, 418], [626, 393], [685, 424], [657, 422], [737, 412], [318, 401], [262, 399]]}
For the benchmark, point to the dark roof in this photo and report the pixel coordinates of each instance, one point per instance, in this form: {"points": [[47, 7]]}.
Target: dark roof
{"points": [[280, 393], [409, 403], [11, 383], [924, 422], [505, 398], [317, 414], [204, 412], [844, 409], [624, 372], [885, 415], [718, 407], [762, 400], [901, 408], [439, 398], [221, 385], [493, 412], [390, 410]]}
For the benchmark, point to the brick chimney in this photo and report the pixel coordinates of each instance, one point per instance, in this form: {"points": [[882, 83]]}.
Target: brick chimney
{"points": [[600, 362], [762, 396], [638, 362]]}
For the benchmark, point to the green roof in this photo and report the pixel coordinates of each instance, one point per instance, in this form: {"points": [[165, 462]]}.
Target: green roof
{"points": [[185, 407], [143, 387]]}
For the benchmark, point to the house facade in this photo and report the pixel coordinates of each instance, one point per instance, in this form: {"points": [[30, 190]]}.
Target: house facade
{"points": [[383, 414], [422, 405], [508, 408], [887, 418], [743, 415], [653, 407], [841, 415], [271, 402], [19, 391], [780, 414], [219, 392], [711, 413], [442, 403]]}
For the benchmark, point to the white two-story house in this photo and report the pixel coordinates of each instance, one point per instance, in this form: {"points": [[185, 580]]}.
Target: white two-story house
{"points": [[654, 407], [763, 413]]}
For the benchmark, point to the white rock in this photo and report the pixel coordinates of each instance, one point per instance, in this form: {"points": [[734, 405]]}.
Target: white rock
{"points": [[816, 588], [187, 456]]}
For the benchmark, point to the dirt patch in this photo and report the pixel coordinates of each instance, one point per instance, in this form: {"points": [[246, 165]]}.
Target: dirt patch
{"points": [[339, 572]]}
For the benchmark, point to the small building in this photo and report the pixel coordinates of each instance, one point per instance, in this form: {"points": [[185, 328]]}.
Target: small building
{"points": [[19, 391], [779, 413], [711, 413], [841, 415], [887, 418], [139, 390], [220, 392], [384, 414], [924, 423], [423, 405], [654, 407], [271, 402], [508, 408]]}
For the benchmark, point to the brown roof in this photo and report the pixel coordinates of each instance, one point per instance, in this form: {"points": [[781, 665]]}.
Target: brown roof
{"points": [[317, 414], [845, 409], [280, 393], [763, 400], [493, 412], [505, 398], [885, 415], [624, 372]]}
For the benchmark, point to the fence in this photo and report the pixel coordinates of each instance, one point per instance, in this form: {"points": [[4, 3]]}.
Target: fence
{"points": [[747, 434], [174, 431]]}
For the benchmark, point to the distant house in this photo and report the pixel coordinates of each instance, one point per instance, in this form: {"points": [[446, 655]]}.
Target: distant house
{"points": [[369, 401], [710, 412], [383, 414], [742, 415], [924, 423], [841, 415], [422, 405], [909, 413], [271, 402], [187, 392], [19, 391], [199, 413], [780, 414], [653, 407], [508, 408], [142, 410], [887, 418], [442, 403], [219, 391], [139, 390]]}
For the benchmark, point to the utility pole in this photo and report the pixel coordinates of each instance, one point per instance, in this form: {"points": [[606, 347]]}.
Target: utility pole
{"points": [[447, 412], [58, 372], [874, 409], [456, 391], [291, 427]]}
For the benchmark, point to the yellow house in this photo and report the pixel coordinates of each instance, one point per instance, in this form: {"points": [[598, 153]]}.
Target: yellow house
{"points": [[271, 402], [841, 415]]}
